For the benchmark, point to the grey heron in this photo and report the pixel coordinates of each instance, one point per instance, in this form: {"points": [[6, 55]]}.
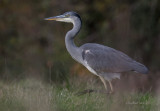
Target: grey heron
{"points": [[105, 62]]}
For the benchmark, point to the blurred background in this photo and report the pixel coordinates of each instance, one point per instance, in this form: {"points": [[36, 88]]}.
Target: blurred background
{"points": [[33, 48]]}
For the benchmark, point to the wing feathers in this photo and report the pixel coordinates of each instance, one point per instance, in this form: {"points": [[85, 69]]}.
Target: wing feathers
{"points": [[105, 59]]}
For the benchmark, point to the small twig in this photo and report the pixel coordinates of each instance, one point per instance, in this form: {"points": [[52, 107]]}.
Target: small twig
{"points": [[89, 91]]}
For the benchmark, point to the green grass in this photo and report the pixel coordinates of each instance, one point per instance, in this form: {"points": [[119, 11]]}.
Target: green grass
{"points": [[34, 95]]}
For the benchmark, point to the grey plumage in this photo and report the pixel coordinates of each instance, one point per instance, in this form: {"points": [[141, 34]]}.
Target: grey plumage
{"points": [[103, 61]]}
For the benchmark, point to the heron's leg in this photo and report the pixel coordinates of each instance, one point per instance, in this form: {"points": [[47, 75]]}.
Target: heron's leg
{"points": [[110, 84], [104, 82]]}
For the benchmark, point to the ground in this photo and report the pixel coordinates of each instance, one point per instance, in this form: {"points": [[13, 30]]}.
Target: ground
{"points": [[35, 95]]}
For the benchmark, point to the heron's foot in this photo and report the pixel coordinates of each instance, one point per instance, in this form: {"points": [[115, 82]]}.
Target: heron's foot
{"points": [[111, 92], [87, 91], [106, 92]]}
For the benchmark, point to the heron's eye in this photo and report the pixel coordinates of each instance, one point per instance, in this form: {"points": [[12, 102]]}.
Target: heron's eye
{"points": [[67, 15]]}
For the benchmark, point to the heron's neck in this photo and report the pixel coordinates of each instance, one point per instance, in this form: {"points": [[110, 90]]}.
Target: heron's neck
{"points": [[69, 39]]}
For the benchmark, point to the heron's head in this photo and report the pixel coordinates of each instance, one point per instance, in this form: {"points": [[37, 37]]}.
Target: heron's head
{"points": [[66, 17]]}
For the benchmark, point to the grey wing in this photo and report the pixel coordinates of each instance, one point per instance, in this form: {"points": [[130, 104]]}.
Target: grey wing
{"points": [[105, 59]]}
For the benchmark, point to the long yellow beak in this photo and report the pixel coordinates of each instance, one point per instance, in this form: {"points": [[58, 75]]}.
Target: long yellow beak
{"points": [[55, 17]]}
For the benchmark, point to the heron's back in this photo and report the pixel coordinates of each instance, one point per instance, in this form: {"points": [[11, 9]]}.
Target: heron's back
{"points": [[105, 59]]}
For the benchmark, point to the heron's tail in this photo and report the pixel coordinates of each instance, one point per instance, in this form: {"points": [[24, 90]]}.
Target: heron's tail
{"points": [[140, 68]]}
